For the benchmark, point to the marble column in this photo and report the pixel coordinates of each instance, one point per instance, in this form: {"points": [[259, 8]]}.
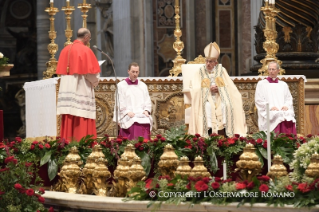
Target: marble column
{"points": [[133, 35]]}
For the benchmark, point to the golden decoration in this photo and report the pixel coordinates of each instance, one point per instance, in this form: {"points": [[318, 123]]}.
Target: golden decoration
{"points": [[168, 161], [68, 32], [248, 165], [205, 83], [52, 47], [183, 168], [198, 60], [199, 169], [70, 173], [219, 82], [121, 178], [178, 45], [278, 169], [270, 45], [129, 153], [136, 173], [313, 168], [84, 9], [100, 176], [287, 30], [87, 186]]}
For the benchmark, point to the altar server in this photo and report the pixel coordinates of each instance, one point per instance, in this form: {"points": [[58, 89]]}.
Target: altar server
{"points": [[277, 94], [216, 102], [134, 106], [80, 71]]}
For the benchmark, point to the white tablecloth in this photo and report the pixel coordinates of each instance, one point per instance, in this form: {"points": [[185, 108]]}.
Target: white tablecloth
{"points": [[40, 99]]}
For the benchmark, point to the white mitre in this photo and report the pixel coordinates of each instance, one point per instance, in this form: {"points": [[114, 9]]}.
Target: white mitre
{"points": [[212, 51]]}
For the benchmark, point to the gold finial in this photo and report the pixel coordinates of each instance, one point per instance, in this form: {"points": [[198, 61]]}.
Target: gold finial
{"points": [[68, 10]]}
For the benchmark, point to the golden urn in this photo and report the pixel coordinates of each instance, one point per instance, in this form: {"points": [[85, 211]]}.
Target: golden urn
{"points": [[278, 169], [121, 177], [87, 185], [248, 165], [168, 161], [129, 152], [100, 175], [136, 173], [199, 169], [183, 168], [71, 173], [313, 168]]}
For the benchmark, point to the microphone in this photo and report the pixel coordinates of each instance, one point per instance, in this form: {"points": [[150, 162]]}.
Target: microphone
{"points": [[117, 102], [97, 48]]}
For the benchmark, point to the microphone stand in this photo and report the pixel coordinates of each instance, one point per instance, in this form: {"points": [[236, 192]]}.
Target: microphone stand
{"points": [[116, 92]]}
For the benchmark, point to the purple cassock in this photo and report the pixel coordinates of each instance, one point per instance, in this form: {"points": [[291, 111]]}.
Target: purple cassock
{"points": [[284, 126]]}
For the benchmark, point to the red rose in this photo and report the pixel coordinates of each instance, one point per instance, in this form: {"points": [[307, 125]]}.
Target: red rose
{"points": [[41, 199], [32, 147], [265, 144], [17, 186], [35, 142], [197, 135], [30, 192], [18, 139], [220, 142], [28, 164], [227, 181], [2, 145], [163, 139], [4, 169], [40, 146], [303, 187], [230, 141], [289, 188], [189, 186], [217, 179], [158, 136], [250, 185], [264, 178], [119, 141], [304, 141], [148, 183], [309, 136], [155, 140], [240, 186], [201, 186], [263, 188], [145, 140], [11, 159], [141, 148], [124, 138], [215, 185], [213, 135], [206, 179], [51, 209], [259, 141], [41, 190], [242, 139], [237, 135], [170, 184], [195, 139], [298, 145], [1, 192], [12, 143], [137, 145], [47, 146]]}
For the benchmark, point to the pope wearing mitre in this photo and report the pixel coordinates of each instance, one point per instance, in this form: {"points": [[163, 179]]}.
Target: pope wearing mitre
{"points": [[216, 102]]}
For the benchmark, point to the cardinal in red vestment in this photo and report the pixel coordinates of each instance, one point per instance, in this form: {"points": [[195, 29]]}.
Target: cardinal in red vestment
{"points": [[80, 72]]}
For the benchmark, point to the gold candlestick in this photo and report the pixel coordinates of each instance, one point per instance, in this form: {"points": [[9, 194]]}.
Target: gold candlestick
{"points": [[178, 45], [68, 10], [52, 47], [270, 45], [84, 9]]}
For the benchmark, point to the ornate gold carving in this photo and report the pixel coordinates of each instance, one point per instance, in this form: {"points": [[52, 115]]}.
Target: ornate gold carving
{"points": [[165, 48], [136, 173], [121, 178], [68, 32], [278, 169], [198, 60], [287, 30], [84, 9], [270, 45], [300, 115], [100, 175], [52, 47], [168, 161], [313, 168], [170, 111], [183, 168], [178, 45], [199, 169], [248, 165], [104, 114]]}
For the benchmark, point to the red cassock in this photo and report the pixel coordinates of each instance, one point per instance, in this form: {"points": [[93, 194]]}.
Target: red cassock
{"points": [[76, 99]]}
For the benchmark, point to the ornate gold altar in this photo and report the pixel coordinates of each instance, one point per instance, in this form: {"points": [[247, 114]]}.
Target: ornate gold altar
{"points": [[168, 102]]}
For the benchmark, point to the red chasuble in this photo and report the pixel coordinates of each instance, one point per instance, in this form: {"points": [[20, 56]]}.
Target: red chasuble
{"points": [[79, 58]]}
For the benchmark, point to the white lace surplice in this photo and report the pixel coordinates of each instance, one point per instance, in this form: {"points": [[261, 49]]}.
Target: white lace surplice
{"points": [[278, 95], [136, 99]]}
